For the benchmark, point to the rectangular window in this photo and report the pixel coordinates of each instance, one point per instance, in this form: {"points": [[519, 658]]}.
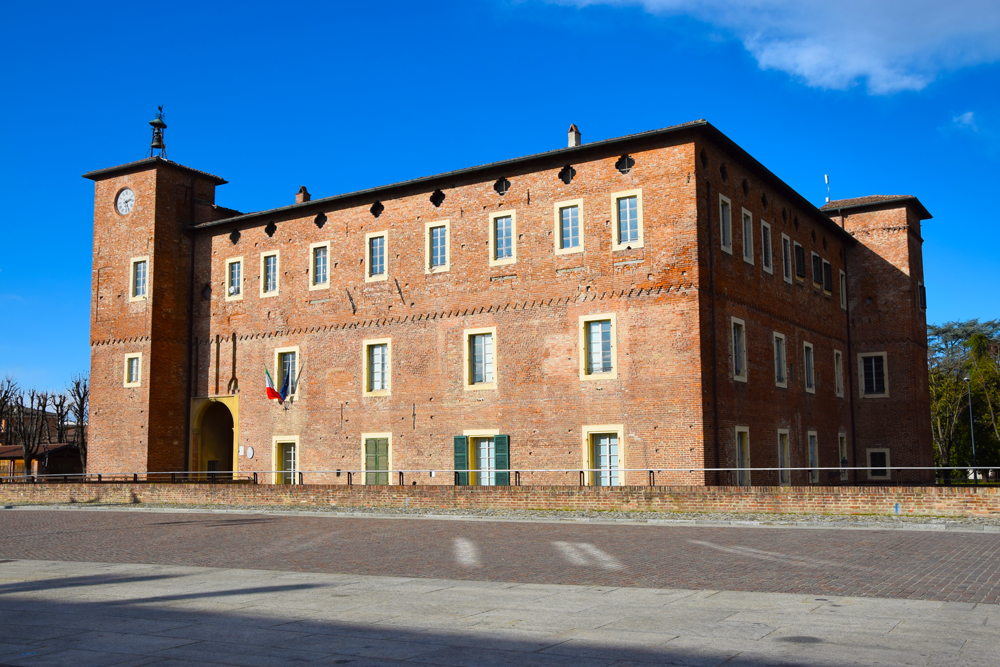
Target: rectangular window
{"points": [[286, 458], [132, 376], [376, 456], [139, 279], [739, 350], [599, 359], [482, 458], [838, 372], [843, 290], [486, 461], [780, 361], [503, 238], [482, 358], [269, 283], [377, 367], [437, 247], [604, 457], [726, 224], [784, 458], [827, 277], [842, 452], [813, 458], [874, 378], [743, 455], [765, 247], [319, 261], [568, 227], [747, 237], [234, 279], [786, 258], [878, 463], [817, 270], [376, 253], [809, 368], [922, 296], [286, 370], [800, 262], [628, 220]]}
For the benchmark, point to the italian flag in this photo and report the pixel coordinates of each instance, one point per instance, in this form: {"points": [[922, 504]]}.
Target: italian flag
{"points": [[269, 385]]}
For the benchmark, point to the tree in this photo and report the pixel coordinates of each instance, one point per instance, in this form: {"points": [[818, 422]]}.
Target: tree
{"points": [[8, 393], [79, 405], [60, 406], [30, 424]]}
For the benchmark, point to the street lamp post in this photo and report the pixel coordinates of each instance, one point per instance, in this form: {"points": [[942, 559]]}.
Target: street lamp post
{"points": [[972, 433]]}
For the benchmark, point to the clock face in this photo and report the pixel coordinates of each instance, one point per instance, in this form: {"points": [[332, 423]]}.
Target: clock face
{"points": [[125, 201]]}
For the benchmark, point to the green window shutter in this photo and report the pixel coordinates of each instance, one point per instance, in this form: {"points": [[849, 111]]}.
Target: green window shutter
{"points": [[462, 458], [382, 459], [371, 460], [502, 445]]}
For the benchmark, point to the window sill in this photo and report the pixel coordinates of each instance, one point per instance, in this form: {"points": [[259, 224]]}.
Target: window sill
{"points": [[380, 392]]}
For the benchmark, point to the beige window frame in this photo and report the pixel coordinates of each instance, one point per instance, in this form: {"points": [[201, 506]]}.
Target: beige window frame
{"points": [[472, 435], [279, 378], [447, 246], [746, 229], [725, 222], [735, 322], [557, 225], [843, 290], [131, 278], [225, 282], [809, 374], [639, 242], [138, 380], [369, 278], [467, 360], [277, 273], [276, 462], [366, 366], [888, 463], [812, 445], [782, 380], [861, 374], [767, 249], [376, 436], [587, 461], [784, 457], [842, 453], [787, 258], [743, 456], [838, 373], [312, 266], [491, 242], [584, 350]]}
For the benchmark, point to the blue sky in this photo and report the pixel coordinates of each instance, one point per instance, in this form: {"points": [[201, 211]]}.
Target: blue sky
{"points": [[887, 97]]}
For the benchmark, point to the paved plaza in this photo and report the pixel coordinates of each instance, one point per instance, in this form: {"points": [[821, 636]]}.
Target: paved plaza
{"points": [[136, 588]]}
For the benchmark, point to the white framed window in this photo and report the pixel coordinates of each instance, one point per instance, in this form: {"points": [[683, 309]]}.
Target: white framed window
{"points": [[747, 237], [813, 457], [286, 365], [376, 256], [377, 366], [270, 278], [138, 278], [480, 358], [800, 261], [743, 455], [568, 227], [809, 367], [627, 207], [843, 289], [604, 454], [780, 360], [132, 376], [739, 341], [726, 224], [285, 458], [598, 347], [485, 451], [873, 375], [437, 246], [786, 258], [503, 238], [878, 463], [234, 279], [842, 453], [766, 253], [784, 458], [838, 373], [319, 266]]}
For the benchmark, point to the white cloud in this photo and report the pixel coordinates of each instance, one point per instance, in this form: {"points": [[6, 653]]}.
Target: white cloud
{"points": [[891, 45], [966, 121]]}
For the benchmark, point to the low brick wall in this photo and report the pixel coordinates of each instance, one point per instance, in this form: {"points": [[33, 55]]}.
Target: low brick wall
{"points": [[913, 501]]}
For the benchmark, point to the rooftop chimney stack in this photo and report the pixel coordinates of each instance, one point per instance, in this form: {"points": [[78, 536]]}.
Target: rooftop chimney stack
{"points": [[574, 136], [302, 196]]}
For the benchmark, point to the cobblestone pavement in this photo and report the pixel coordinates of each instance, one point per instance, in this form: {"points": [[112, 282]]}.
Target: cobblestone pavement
{"points": [[955, 567]]}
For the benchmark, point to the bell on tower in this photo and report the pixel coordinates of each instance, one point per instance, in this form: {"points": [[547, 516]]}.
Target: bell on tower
{"points": [[158, 127]]}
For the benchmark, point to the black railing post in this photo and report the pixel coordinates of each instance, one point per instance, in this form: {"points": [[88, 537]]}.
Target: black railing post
{"points": [[401, 478], [456, 478], [350, 478], [135, 478], [302, 478], [255, 478], [652, 478], [173, 478], [582, 479], [517, 478]]}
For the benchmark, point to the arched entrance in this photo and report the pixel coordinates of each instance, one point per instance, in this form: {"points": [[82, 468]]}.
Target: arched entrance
{"points": [[214, 434]]}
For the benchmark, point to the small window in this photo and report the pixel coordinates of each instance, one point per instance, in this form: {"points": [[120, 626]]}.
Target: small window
{"points": [[800, 262], [838, 373], [319, 266], [480, 358], [598, 348], [878, 463], [628, 220], [133, 370], [739, 350], [234, 279], [743, 455], [766, 257], [726, 224], [809, 370], [827, 277], [784, 459], [437, 246], [843, 290], [286, 365], [842, 452], [377, 367], [780, 361], [874, 376], [138, 278], [817, 270], [747, 237], [376, 249], [786, 258], [569, 227], [813, 458], [922, 296], [269, 280], [503, 235]]}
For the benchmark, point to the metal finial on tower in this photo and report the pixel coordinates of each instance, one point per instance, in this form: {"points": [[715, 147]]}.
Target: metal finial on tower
{"points": [[158, 127]]}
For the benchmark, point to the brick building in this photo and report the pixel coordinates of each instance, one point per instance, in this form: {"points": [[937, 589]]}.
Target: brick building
{"points": [[656, 301]]}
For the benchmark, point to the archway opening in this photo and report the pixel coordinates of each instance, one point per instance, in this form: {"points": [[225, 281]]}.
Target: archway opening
{"points": [[216, 439]]}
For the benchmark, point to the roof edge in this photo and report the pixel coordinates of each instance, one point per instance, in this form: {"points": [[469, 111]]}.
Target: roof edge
{"points": [[885, 203], [141, 165]]}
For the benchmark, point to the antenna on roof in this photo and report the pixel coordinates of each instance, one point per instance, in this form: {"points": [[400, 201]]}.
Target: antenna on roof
{"points": [[826, 177]]}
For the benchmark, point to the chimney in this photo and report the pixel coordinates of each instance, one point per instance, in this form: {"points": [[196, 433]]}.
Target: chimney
{"points": [[574, 136], [302, 196]]}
